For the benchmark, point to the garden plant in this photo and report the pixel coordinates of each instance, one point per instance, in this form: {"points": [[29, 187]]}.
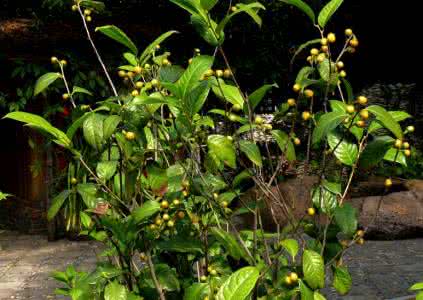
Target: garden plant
{"points": [[158, 170]]}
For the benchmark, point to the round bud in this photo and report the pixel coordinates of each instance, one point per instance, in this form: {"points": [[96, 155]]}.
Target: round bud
{"points": [[164, 204], [87, 12], [309, 59], [309, 93], [324, 41], [190, 61], [130, 136], [54, 59], [209, 73], [361, 123], [158, 46], [155, 83], [135, 93], [407, 152], [267, 126], [224, 204], [340, 65], [354, 43], [291, 102], [147, 66], [288, 280], [88, 18], [185, 193], [306, 115], [176, 202], [331, 38], [362, 100], [314, 51], [166, 217], [410, 128], [139, 84], [234, 8], [294, 276], [122, 73], [360, 233], [74, 181], [213, 272], [197, 50], [233, 117], [63, 62], [258, 120], [348, 32], [181, 215], [364, 114], [166, 62], [296, 87], [297, 141], [325, 49], [143, 257], [65, 96], [398, 143], [321, 58], [203, 278], [130, 74], [170, 223], [215, 195], [343, 74], [227, 73], [311, 211], [388, 182], [153, 227], [138, 69], [360, 241], [405, 145], [350, 109], [219, 73], [236, 107], [74, 7]]}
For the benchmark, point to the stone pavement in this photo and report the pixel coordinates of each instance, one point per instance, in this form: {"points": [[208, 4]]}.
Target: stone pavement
{"points": [[380, 269]]}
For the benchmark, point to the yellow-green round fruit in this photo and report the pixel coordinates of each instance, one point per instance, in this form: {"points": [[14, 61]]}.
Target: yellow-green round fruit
{"points": [[364, 114], [139, 84], [343, 74], [236, 107], [311, 211], [291, 102], [314, 52], [348, 32], [258, 120], [143, 257], [176, 202], [63, 62], [181, 215], [234, 8], [158, 222], [130, 136], [288, 280], [344, 243], [227, 73], [65, 96], [410, 128], [213, 272], [135, 93], [170, 223], [354, 43], [88, 18], [224, 204], [185, 183], [321, 57], [122, 73], [215, 195], [306, 115], [360, 241], [138, 69], [147, 66], [309, 93], [407, 152], [388, 182], [164, 204], [153, 227], [130, 74], [155, 82], [340, 65], [166, 217], [233, 117], [296, 87], [324, 41], [219, 73], [267, 126], [74, 181], [185, 193], [197, 50], [190, 61], [309, 59], [362, 100], [294, 276], [331, 38], [398, 143], [54, 59], [209, 73], [297, 141], [325, 49], [360, 233], [405, 145], [87, 12], [74, 7], [361, 123]]}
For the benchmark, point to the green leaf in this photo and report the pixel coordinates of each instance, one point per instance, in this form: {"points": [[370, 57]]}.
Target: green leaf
{"points": [[324, 199], [304, 7], [118, 35], [149, 50], [57, 204], [131, 58], [257, 96], [88, 192], [197, 291], [167, 278], [291, 246], [327, 123], [41, 124], [396, 115], [302, 47], [206, 31], [4, 196], [191, 6], [346, 219], [417, 286], [386, 119], [44, 81], [345, 151], [97, 5], [76, 124], [223, 148], [327, 71], [228, 242], [327, 12], [208, 4], [106, 169], [239, 285], [170, 73], [375, 151], [306, 293], [181, 245], [85, 219], [303, 76], [396, 156], [196, 98], [191, 77], [318, 296], [115, 291], [109, 126], [80, 90], [313, 269], [342, 280], [337, 105], [93, 130], [145, 211], [419, 296], [285, 144], [252, 151], [228, 93]]}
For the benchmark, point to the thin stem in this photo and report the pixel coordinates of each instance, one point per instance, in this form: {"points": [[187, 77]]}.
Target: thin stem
{"points": [[154, 277]]}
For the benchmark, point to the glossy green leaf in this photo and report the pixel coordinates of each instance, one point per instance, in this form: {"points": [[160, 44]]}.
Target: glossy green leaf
{"points": [[80, 90], [44, 81], [337, 105], [223, 148], [197, 291], [257, 96], [396, 115], [416, 286], [327, 123], [344, 150], [304, 46], [228, 242], [167, 278], [145, 211], [97, 5], [285, 144], [304, 7], [375, 151], [291, 246], [327, 12], [228, 93], [88, 193], [318, 296], [252, 151], [239, 285], [342, 280], [149, 50], [109, 126], [207, 30], [419, 296], [191, 6], [396, 156], [346, 218], [115, 291], [118, 35], [386, 119], [327, 71], [131, 58], [324, 199], [306, 293], [191, 77], [93, 131], [208, 4], [313, 269], [196, 98], [181, 245], [106, 169], [56, 204]]}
